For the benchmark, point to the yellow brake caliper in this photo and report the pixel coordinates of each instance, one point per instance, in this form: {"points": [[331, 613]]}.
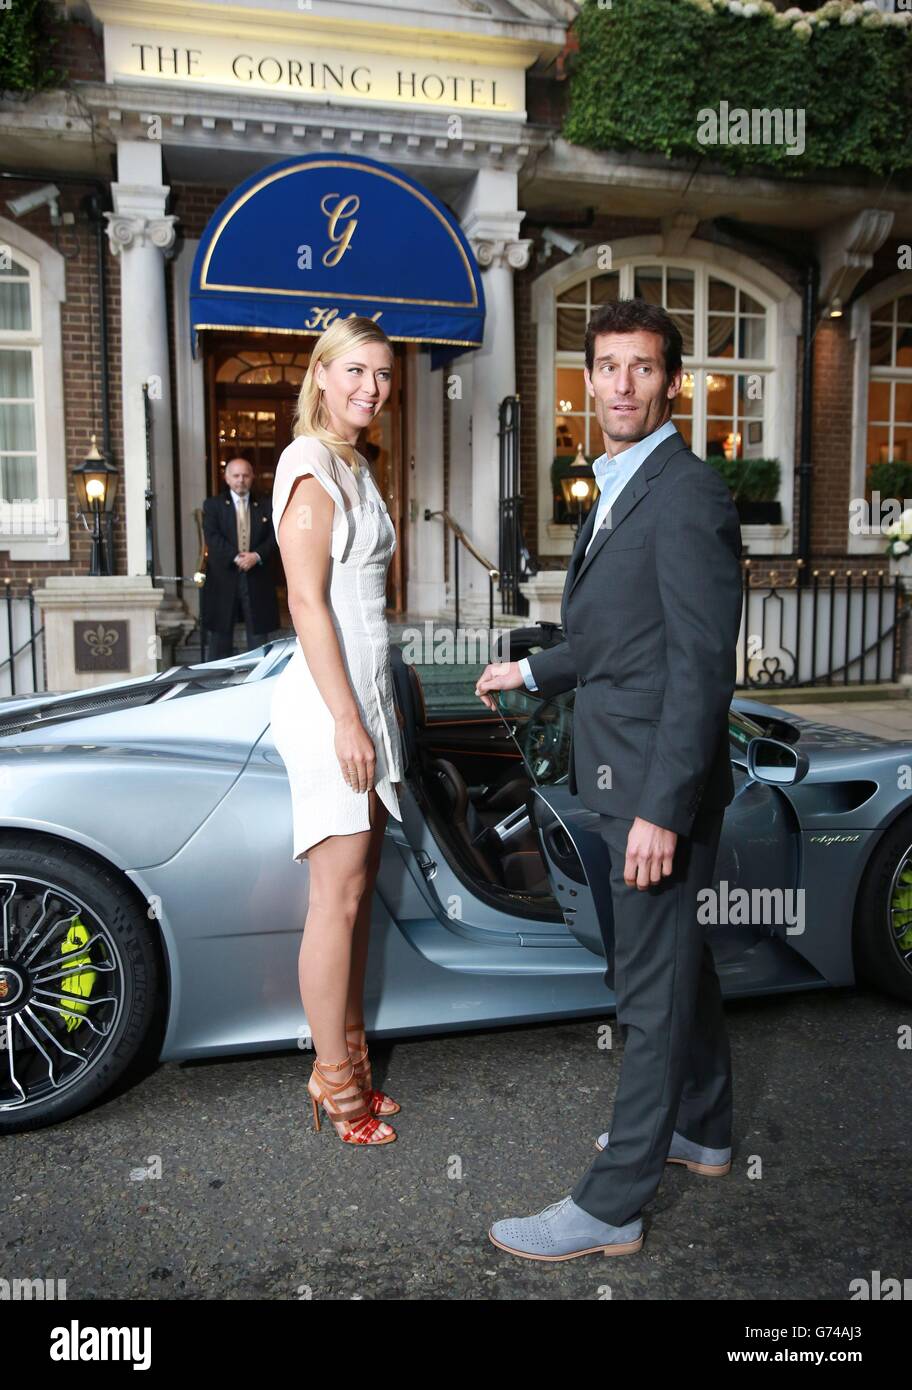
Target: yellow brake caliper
{"points": [[902, 902], [81, 983]]}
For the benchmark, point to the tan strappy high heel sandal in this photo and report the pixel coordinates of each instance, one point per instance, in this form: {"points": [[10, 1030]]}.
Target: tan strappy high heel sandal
{"points": [[379, 1103], [349, 1115]]}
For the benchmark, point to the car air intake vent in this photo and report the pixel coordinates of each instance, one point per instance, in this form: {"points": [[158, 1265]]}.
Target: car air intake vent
{"points": [[15, 723], [834, 798]]}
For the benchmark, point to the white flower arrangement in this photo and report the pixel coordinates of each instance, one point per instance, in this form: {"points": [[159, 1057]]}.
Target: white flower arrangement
{"points": [[900, 535], [804, 23]]}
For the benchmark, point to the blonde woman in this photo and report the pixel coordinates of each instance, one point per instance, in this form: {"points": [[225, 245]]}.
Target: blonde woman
{"points": [[333, 717]]}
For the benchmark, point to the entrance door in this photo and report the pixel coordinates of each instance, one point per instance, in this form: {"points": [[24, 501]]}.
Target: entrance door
{"points": [[253, 381]]}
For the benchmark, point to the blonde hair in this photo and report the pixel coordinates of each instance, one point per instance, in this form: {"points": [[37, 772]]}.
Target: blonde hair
{"points": [[311, 416]]}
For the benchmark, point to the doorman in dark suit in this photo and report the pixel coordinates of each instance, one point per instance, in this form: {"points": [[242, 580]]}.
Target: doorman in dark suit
{"points": [[239, 582], [651, 613]]}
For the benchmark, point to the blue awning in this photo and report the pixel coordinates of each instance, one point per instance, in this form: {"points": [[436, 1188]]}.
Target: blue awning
{"points": [[315, 237]]}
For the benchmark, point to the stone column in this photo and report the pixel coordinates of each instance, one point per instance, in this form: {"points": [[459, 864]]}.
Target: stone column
{"points": [[499, 252], [491, 222], [142, 234]]}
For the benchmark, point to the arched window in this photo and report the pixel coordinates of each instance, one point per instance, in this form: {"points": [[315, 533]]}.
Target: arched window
{"points": [[890, 383], [727, 339], [882, 431], [20, 375], [250, 368], [739, 322], [33, 463]]}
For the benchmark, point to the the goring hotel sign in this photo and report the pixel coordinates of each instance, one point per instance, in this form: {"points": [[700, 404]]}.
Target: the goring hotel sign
{"points": [[314, 73]]}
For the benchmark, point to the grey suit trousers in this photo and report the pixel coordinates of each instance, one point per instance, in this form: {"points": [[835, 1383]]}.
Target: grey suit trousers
{"points": [[676, 1065]]}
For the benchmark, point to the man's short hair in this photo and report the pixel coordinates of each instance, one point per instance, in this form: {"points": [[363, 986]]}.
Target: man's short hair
{"points": [[632, 316]]}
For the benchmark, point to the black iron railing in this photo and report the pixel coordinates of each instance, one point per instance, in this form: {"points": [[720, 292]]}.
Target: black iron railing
{"points": [[838, 627], [460, 538], [515, 562], [9, 678]]}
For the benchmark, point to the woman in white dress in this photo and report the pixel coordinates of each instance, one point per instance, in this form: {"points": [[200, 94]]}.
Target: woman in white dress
{"points": [[333, 717]]}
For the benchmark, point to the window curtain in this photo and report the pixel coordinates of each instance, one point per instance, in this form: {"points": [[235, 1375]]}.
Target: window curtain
{"points": [[15, 299], [18, 474], [680, 301], [881, 344]]}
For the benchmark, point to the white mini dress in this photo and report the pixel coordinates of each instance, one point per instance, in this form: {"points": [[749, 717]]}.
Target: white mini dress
{"points": [[303, 729]]}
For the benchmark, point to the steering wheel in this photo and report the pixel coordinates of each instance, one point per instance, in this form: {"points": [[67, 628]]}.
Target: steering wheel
{"points": [[545, 740]]}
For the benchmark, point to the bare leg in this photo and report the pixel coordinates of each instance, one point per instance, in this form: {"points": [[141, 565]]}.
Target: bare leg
{"points": [[339, 867], [361, 938]]}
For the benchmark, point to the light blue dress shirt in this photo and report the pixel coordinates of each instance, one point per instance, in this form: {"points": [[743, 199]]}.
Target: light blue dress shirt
{"points": [[612, 476]]}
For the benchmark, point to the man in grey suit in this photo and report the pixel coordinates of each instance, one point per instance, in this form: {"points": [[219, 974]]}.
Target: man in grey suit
{"points": [[651, 612]]}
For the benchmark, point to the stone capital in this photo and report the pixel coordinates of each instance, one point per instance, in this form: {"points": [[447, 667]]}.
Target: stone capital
{"points": [[132, 229], [495, 239], [489, 251], [139, 217]]}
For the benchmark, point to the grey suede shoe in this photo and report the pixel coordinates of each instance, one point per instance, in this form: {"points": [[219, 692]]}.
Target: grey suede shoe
{"points": [[712, 1163], [563, 1231]]}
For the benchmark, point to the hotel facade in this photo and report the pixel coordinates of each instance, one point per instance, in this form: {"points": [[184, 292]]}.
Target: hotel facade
{"points": [[230, 178]]}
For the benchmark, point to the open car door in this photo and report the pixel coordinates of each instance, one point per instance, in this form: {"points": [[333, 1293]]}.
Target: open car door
{"points": [[575, 855], [576, 859]]}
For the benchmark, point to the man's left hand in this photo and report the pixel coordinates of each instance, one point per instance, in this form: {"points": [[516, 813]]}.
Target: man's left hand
{"points": [[247, 559], [650, 852]]}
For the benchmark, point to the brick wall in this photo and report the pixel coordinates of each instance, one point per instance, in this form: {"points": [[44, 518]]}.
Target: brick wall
{"points": [[82, 367], [81, 373], [832, 437], [80, 52], [194, 204]]}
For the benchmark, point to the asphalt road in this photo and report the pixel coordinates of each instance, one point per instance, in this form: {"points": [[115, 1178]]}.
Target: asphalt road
{"points": [[253, 1204]]}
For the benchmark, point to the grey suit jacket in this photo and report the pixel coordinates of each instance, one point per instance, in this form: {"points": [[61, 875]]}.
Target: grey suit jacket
{"points": [[651, 618]]}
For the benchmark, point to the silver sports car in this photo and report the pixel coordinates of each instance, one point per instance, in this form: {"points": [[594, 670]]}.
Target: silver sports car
{"points": [[151, 908]]}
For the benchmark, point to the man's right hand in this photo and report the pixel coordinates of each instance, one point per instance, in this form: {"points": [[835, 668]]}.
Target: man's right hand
{"points": [[498, 675]]}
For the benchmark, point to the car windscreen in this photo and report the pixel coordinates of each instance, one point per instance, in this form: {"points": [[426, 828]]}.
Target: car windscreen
{"points": [[741, 729]]}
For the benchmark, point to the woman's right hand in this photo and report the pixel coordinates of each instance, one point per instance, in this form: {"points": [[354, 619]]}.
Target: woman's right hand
{"points": [[356, 753]]}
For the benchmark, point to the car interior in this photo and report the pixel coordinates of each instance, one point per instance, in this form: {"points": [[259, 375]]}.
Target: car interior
{"points": [[473, 773]]}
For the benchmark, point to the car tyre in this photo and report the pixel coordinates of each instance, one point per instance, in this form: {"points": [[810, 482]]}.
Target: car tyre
{"points": [[879, 934], [130, 937]]}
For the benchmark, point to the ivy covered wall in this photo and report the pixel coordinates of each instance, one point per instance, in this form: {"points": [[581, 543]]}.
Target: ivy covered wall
{"points": [[646, 70], [29, 33]]}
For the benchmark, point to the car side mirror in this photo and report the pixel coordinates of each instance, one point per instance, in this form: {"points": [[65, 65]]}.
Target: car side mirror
{"points": [[771, 760]]}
